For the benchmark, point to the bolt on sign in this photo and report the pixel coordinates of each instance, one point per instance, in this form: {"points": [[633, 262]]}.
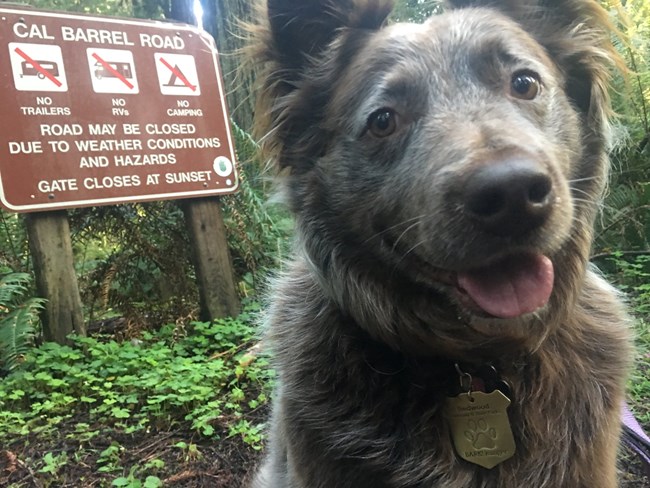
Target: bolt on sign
{"points": [[100, 110]]}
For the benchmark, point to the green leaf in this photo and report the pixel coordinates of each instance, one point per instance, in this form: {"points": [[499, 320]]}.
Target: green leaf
{"points": [[120, 413], [152, 482]]}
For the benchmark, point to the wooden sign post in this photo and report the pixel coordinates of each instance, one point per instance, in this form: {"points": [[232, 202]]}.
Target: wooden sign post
{"points": [[216, 282], [51, 249]]}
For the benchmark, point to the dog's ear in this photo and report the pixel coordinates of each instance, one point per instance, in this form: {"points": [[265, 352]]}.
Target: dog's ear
{"points": [[576, 34], [545, 17], [300, 29], [291, 95]]}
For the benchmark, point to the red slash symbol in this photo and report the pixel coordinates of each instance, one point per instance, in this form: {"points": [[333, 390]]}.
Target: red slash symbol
{"points": [[113, 71], [38, 67], [178, 74]]}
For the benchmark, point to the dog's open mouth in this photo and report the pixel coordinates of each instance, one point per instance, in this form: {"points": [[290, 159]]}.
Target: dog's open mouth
{"points": [[508, 288]]}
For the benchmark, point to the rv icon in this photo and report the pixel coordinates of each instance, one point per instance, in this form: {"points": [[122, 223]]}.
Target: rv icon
{"points": [[113, 69]]}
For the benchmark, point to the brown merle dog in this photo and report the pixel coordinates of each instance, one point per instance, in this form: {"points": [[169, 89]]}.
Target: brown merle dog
{"points": [[439, 325]]}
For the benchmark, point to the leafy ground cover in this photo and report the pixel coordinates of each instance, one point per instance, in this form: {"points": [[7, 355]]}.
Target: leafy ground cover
{"points": [[184, 406]]}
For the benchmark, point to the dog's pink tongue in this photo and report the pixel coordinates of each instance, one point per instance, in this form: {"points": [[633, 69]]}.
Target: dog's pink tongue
{"points": [[512, 287]]}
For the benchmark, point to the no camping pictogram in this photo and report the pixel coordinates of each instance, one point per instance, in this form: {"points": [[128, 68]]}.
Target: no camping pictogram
{"points": [[37, 67], [177, 74], [112, 71]]}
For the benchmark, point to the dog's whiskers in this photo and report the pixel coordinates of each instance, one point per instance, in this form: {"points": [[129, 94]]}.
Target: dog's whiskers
{"points": [[580, 180], [404, 233], [388, 229], [415, 246]]}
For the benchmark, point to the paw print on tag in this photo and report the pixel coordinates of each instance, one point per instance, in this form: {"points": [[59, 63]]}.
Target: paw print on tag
{"points": [[481, 435]]}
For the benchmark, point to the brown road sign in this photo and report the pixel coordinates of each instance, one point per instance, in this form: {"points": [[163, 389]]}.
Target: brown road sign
{"points": [[100, 110]]}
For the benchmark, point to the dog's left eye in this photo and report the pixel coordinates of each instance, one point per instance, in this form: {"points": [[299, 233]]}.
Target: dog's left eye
{"points": [[525, 85], [382, 123]]}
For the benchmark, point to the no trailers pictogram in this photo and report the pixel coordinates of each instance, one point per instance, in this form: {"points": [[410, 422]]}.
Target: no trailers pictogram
{"points": [[37, 67]]}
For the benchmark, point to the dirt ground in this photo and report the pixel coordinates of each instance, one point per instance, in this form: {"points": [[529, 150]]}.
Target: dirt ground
{"points": [[227, 463]]}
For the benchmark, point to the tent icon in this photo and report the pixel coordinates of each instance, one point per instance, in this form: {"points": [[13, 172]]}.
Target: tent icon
{"points": [[175, 79], [177, 74]]}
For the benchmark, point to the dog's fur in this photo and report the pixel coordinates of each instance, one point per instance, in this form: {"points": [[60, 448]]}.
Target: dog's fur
{"points": [[369, 320]]}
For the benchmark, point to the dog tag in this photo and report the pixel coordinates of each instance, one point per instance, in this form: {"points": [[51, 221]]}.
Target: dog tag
{"points": [[480, 427]]}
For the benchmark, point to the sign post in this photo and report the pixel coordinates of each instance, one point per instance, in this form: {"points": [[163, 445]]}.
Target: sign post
{"points": [[217, 292], [102, 111], [51, 249]]}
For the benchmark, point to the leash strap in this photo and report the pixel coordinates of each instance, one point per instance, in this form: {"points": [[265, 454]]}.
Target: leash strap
{"points": [[635, 437]]}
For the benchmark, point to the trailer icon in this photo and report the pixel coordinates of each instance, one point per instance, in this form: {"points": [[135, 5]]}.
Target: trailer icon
{"points": [[28, 68]]}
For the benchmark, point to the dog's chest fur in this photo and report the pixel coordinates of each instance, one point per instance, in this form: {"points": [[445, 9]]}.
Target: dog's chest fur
{"points": [[375, 416]]}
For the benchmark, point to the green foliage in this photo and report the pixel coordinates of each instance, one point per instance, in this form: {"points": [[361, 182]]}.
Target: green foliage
{"points": [[190, 451], [625, 224], [131, 481], [415, 10], [632, 275], [14, 247], [133, 260], [53, 463], [203, 378], [152, 9], [18, 319], [258, 229]]}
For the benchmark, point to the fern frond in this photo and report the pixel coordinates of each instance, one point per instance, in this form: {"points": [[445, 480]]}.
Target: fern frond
{"points": [[18, 319], [12, 287]]}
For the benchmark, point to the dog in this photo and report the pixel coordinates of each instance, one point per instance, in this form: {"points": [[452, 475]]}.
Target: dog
{"points": [[439, 324]]}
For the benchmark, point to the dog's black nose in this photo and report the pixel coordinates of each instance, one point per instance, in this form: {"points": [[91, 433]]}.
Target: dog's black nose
{"points": [[509, 197]]}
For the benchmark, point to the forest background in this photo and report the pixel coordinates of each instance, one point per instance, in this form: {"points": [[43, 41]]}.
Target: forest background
{"points": [[153, 397]]}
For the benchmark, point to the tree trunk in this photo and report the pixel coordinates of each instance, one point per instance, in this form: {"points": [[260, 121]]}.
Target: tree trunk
{"points": [[183, 11], [222, 19]]}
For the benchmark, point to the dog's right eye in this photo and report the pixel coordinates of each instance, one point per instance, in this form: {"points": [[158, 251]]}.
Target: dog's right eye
{"points": [[525, 85], [382, 123]]}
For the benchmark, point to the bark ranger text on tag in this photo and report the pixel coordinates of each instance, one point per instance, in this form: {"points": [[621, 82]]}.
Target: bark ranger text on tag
{"points": [[97, 36]]}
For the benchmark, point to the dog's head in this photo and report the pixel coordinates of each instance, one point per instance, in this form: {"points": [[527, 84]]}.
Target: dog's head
{"points": [[444, 176]]}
